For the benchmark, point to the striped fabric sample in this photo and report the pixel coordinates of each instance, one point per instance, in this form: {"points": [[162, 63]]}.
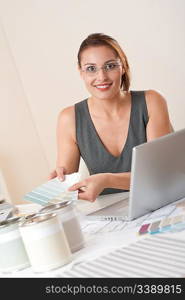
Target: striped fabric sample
{"points": [[155, 256]]}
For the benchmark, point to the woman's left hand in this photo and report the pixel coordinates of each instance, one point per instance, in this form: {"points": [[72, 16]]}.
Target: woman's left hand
{"points": [[91, 187]]}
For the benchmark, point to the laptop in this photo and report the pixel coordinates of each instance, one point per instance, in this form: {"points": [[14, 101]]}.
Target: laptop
{"points": [[157, 179]]}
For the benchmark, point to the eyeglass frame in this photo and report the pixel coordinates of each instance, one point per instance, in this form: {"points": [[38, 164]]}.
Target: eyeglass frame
{"points": [[102, 67]]}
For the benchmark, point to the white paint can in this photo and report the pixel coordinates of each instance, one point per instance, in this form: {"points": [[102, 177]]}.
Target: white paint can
{"points": [[13, 256], [45, 241], [67, 215]]}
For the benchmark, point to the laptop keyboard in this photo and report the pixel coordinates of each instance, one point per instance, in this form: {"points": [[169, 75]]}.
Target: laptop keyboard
{"points": [[115, 211], [102, 202]]}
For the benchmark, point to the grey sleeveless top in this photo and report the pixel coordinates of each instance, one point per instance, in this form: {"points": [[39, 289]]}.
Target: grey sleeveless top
{"points": [[97, 158]]}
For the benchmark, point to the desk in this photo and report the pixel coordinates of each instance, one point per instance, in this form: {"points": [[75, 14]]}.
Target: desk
{"points": [[104, 237]]}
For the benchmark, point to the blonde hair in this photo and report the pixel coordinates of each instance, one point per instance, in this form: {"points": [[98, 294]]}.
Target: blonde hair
{"points": [[100, 39]]}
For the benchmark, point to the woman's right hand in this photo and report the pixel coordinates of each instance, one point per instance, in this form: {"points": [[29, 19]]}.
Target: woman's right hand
{"points": [[58, 172]]}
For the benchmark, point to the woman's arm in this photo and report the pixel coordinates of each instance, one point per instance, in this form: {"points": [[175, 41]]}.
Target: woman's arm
{"points": [[68, 156], [92, 186], [159, 121]]}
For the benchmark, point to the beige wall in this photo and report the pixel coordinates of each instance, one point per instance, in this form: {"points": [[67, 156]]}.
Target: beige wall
{"points": [[21, 152], [39, 40]]}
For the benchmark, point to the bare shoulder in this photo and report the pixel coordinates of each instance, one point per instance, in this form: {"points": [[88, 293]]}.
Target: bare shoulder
{"points": [[153, 95], [155, 101], [67, 115], [66, 122], [159, 122]]}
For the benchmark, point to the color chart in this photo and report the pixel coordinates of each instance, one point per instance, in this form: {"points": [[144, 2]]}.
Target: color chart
{"points": [[54, 191], [172, 224]]}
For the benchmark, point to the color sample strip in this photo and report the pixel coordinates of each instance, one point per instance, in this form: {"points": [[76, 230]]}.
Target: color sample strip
{"points": [[34, 199], [45, 191], [178, 223], [53, 191], [144, 229], [177, 219], [178, 227], [165, 224], [154, 227]]}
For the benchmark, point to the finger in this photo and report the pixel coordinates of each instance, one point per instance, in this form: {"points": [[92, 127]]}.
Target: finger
{"points": [[85, 196], [83, 189], [52, 175], [77, 186], [61, 173]]}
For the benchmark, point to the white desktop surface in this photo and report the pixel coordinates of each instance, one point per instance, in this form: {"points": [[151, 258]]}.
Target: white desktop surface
{"points": [[102, 237]]}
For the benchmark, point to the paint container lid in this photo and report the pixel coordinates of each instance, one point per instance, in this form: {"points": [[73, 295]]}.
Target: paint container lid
{"points": [[10, 221], [55, 207], [36, 218], [27, 217]]}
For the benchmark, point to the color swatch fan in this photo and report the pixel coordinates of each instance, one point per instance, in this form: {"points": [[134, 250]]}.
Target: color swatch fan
{"points": [[54, 191]]}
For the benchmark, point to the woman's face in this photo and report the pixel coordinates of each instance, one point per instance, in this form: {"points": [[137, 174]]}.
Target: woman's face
{"points": [[101, 71]]}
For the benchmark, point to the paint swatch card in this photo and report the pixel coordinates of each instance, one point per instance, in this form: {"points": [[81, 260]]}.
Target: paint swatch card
{"points": [[54, 191], [178, 223], [177, 219], [165, 224], [144, 228], [154, 227], [178, 227], [172, 224]]}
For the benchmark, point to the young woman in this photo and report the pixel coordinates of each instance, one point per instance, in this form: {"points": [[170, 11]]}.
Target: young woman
{"points": [[104, 128]]}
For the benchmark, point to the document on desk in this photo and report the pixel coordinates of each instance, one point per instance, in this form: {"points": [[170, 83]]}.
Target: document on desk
{"points": [[100, 227]]}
